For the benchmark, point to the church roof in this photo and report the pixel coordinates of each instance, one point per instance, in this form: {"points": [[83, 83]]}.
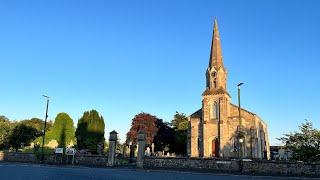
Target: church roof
{"points": [[197, 114], [243, 109], [220, 90]]}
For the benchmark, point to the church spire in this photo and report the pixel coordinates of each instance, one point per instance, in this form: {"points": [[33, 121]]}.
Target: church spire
{"points": [[216, 60], [216, 73]]}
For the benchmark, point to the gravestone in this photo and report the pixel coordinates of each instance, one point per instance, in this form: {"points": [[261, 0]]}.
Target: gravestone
{"points": [[148, 151], [152, 150], [112, 148]]}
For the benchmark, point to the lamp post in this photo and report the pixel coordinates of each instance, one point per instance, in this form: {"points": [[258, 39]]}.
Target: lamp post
{"points": [[45, 126], [239, 106], [240, 152], [240, 122], [131, 152]]}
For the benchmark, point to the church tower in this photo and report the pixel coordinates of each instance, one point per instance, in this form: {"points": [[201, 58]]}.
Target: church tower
{"points": [[215, 103]]}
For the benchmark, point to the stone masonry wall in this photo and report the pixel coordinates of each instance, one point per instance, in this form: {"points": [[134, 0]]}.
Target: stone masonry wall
{"points": [[234, 166], [192, 163], [92, 160]]}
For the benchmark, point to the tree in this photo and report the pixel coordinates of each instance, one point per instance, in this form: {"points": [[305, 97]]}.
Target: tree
{"points": [[164, 139], [90, 130], [4, 119], [304, 144], [145, 122], [37, 124], [62, 130], [22, 133], [180, 125], [5, 129]]}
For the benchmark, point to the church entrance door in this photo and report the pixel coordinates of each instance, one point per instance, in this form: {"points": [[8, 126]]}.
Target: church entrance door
{"points": [[215, 148]]}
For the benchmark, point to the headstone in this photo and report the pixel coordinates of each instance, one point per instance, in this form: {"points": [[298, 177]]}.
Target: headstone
{"points": [[152, 150], [141, 148], [112, 148], [36, 147], [100, 148], [148, 151]]}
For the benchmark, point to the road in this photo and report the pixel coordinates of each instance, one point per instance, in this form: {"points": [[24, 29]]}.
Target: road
{"points": [[50, 172]]}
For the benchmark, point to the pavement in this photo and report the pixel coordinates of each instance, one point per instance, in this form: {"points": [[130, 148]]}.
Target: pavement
{"points": [[50, 172]]}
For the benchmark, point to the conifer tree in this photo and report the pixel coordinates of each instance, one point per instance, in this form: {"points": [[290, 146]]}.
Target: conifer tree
{"points": [[90, 130], [62, 130]]}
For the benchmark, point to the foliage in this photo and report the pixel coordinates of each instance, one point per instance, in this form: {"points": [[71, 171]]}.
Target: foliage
{"points": [[5, 129], [180, 125], [304, 144], [241, 134], [21, 133], [4, 119], [90, 130], [37, 124], [62, 130], [145, 122], [165, 136]]}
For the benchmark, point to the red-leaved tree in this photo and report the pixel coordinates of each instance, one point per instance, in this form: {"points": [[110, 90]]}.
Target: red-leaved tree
{"points": [[145, 122]]}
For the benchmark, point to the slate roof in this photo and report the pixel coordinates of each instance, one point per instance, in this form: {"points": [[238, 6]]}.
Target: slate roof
{"points": [[220, 90], [197, 114]]}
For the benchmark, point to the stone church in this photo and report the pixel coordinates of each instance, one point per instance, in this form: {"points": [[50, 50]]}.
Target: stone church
{"points": [[216, 130]]}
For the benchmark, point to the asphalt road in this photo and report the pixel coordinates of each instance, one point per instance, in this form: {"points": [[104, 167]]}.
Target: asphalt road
{"points": [[37, 172]]}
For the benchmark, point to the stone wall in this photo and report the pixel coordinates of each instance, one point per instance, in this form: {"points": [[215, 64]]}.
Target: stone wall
{"points": [[92, 160], [192, 163], [234, 166], [281, 168]]}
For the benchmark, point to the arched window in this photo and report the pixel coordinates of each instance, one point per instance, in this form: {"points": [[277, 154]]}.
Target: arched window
{"points": [[215, 83], [214, 110]]}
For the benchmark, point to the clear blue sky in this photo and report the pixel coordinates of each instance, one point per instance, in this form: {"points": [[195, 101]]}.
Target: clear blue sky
{"points": [[126, 57]]}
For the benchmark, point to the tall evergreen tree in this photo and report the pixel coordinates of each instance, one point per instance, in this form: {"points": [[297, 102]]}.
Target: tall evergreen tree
{"points": [[90, 130], [62, 130]]}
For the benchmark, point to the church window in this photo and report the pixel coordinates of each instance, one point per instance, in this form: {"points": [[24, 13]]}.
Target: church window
{"points": [[215, 83], [233, 144], [214, 110]]}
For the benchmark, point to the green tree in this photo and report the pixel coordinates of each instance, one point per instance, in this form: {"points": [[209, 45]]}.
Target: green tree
{"points": [[5, 129], [37, 124], [165, 136], [145, 122], [90, 130], [180, 125], [4, 118], [62, 130], [304, 144], [21, 133]]}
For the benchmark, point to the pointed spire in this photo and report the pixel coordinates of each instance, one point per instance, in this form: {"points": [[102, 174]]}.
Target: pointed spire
{"points": [[216, 60]]}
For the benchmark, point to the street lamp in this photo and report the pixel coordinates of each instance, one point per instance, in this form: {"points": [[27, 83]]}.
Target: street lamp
{"points": [[131, 152], [240, 141], [45, 126], [240, 153], [240, 122], [239, 107]]}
